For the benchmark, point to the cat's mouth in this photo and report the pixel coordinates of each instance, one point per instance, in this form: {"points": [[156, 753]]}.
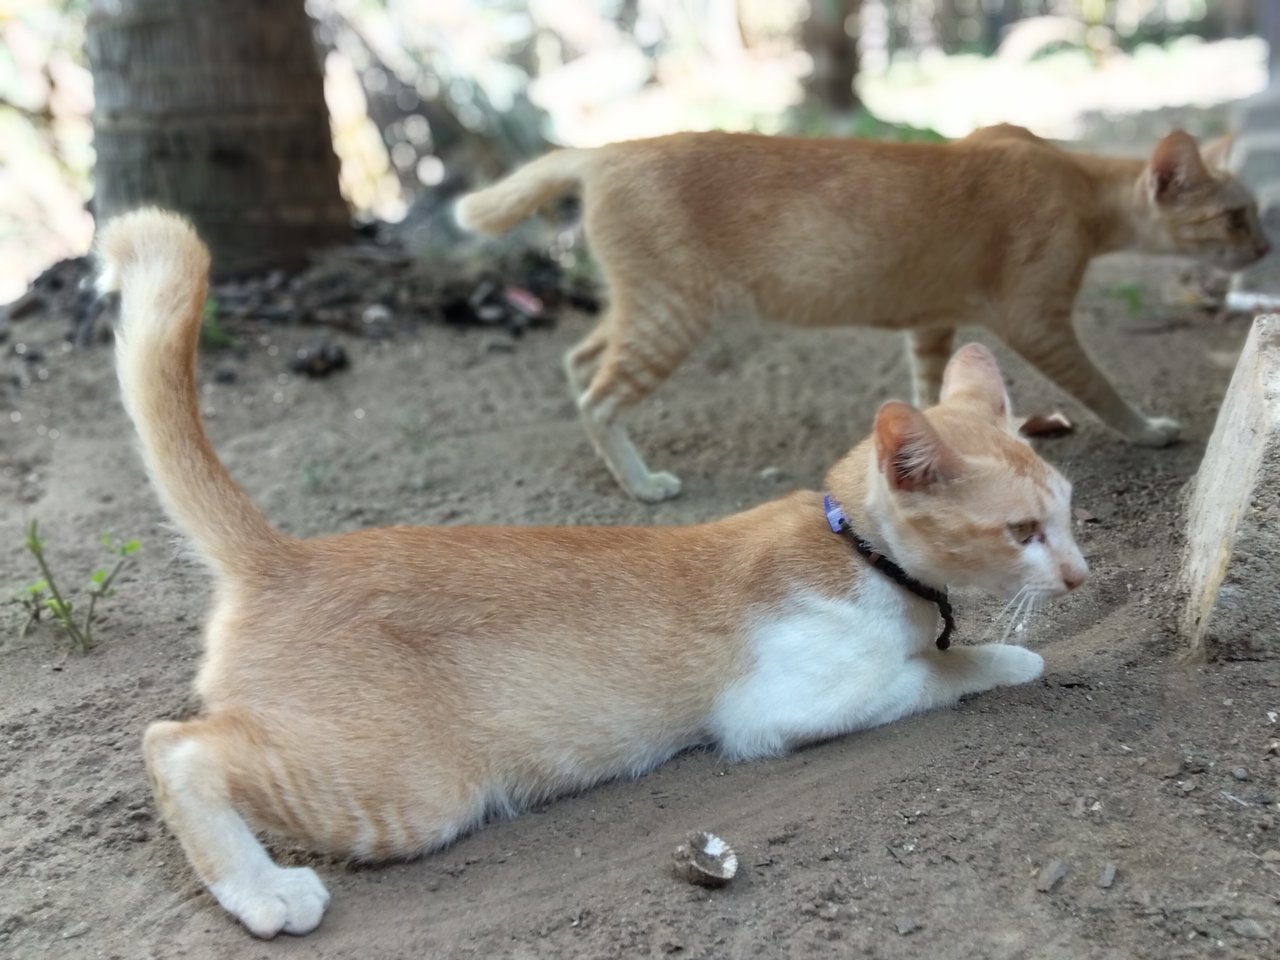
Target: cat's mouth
{"points": [[1239, 259]]}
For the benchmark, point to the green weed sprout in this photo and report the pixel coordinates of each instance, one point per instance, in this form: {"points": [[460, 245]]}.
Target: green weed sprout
{"points": [[44, 595], [1132, 295], [213, 334]]}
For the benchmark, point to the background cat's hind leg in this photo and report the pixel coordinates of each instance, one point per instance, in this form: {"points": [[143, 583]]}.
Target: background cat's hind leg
{"points": [[581, 361], [196, 770], [632, 366], [929, 351], [1057, 352]]}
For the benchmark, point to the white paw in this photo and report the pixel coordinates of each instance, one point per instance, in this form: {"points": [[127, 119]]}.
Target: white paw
{"points": [[275, 899], [1157, 432], [656, 487], [1013, 665]]}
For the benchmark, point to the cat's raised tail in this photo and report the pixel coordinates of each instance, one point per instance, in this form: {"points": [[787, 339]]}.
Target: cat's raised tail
{"points": [[496, 209], [161, 269]]}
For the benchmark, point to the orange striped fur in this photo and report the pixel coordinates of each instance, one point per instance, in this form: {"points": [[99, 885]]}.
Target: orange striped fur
{"points": [[377, 693], [993, 230]]}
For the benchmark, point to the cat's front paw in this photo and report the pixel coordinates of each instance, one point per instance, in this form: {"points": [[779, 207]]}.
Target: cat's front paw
{"points": [[656, 487], [1157, 432], [1012, 665], [275, 900]]}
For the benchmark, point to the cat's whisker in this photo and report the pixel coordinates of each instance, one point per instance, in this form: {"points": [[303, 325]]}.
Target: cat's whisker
{"points": [[1024, 597], [995, 621], [1037, 600]]}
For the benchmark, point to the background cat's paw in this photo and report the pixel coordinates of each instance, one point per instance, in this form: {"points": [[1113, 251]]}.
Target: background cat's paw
{"points": [[1013, 665], [1158, 432], [289, 900], [656, 487]]}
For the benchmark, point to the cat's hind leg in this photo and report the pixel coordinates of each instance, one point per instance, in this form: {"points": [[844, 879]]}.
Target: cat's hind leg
{"points": [[929, 351], [196, 769], [581, 362], [644, 347], [1057, 352]]}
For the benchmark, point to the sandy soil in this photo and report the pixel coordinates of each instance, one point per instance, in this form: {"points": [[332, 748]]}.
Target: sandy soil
{"points": [[925, 838]]}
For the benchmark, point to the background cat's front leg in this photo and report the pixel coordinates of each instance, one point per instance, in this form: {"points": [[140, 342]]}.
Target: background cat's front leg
{"points": [[929, 351], [1056, 351]]}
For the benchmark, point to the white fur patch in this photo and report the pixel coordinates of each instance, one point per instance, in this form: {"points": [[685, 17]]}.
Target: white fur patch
{"points": [[823, 667]]}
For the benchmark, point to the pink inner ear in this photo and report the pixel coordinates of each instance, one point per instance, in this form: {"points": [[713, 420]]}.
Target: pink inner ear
{"points": [[909, 451], [1176, 164]]}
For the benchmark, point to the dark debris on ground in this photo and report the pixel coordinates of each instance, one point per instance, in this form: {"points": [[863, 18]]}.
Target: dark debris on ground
{"points": [[391, 278]]}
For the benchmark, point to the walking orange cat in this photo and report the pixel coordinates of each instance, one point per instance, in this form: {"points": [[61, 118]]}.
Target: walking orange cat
{"points": [[993, 230], [378, 693]]}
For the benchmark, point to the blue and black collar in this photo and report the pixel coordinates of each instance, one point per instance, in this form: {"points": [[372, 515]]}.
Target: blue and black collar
{"points": [[839, 523]]}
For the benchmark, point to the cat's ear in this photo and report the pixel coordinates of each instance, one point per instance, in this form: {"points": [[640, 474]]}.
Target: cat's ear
{"points": [[909, 451], [973, 377], [1215, 152], [1175, 166]]}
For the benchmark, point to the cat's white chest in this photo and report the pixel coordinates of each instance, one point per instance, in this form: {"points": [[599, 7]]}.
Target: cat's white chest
{"points": [[822, 667]]}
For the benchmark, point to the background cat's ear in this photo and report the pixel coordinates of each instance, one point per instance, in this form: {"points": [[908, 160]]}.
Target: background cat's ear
{"points": [[909, 451], [1215, 152], [973, 377], [1175, 166]]}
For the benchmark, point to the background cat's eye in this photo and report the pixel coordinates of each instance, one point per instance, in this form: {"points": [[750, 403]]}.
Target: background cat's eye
{"points": [[1025, 531]]}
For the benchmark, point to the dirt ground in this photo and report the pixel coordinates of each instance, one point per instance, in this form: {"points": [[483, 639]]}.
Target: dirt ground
{"points": [[924, 838]]}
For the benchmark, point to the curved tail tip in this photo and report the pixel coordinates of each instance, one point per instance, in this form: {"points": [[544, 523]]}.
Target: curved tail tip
{"points": [[146, 236], [463, 216]]}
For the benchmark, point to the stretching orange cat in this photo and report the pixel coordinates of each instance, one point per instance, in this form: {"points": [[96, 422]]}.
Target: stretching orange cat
{"points": [[993, 230], [378, 693]]}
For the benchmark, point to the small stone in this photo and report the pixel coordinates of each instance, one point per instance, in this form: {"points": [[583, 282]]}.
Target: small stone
{"points": [[907, 924], [1108, 876], [225, 374], [320, 359], [1054, 424], [1251, 929], [502, 344], [706, 860], [375, 313], [79, 930], [1271, 856], [1186, 786], [771, 473], [1050, 876], [1240, 773]]}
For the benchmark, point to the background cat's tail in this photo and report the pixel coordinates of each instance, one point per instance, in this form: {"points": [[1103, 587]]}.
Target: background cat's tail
{"points": [[496, 209], [161, 269]]}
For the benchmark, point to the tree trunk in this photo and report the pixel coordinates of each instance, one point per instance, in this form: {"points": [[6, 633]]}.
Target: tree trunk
{"points": [[216, 109], [826, 37]]}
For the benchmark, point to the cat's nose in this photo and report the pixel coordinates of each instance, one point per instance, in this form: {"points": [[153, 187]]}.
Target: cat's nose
{"points": [[1264, 247], [1072, 577]]}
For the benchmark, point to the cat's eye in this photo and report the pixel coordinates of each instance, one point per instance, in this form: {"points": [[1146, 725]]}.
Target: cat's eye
{"points": [[1238, 220], [1026, 531]]}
